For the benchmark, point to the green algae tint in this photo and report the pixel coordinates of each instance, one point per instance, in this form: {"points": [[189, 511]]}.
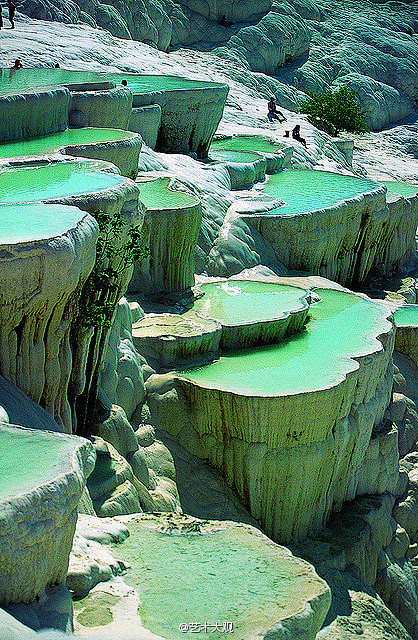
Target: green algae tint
{"points": [[215, 577], [57, 180], [244, 302], [305, 190], [406, 316], [340, 327], [228, 155], [403, 188], [28, 459], [245, 143], [155, 194], [50, 144], [12, 81], [28, 222]]}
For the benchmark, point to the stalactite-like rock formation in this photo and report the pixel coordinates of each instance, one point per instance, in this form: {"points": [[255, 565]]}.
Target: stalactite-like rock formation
{"points": [[40, 275]]}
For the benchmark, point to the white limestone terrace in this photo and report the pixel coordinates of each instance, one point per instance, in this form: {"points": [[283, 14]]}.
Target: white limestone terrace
{"points": [[38, 507], [190, 109], [47, 254], [120, 147], [283, 422], [170, 229]]}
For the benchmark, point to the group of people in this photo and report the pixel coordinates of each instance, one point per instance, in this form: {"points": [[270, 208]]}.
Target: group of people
{"points": [[12, 10], [275, 114]]}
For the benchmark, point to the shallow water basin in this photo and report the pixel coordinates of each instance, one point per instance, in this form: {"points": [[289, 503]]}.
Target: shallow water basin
{"points": [[205, 578], [229, 155], [20, 453], [28, 222], [43, 145], [403, 188], [156, 194], [406, 316], [340, 327], [12, 81], [57, 180], [244, 143], [240, 301], [304, 190]]}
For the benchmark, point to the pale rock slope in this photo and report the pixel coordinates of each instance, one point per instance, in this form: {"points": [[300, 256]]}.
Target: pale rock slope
{"points": [[306, 45]]}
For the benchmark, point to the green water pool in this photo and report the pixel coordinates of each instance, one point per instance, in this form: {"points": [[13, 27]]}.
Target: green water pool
{"points": [[49, 144], [55, 180], [20, 455], [229, 155], [13, 81], [222, 576], [26, 222], [244, 302], [304, 190], [340, 326], [155, 194], [407, 316], [244, 143], [403, 188]]}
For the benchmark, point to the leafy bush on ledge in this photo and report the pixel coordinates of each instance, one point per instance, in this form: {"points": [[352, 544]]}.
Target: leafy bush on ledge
{"points": [[335, 111]]}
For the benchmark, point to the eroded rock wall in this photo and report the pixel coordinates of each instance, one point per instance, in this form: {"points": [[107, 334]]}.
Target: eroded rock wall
{"points": [[189, 117], [33, 113], [40, 281], [37, 526], [110, 108]]}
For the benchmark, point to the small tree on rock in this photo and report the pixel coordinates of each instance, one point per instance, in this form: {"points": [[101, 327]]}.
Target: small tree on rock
{"points": [[338, 110]]}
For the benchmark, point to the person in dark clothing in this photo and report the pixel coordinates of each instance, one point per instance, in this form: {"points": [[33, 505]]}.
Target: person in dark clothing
{"points": [[1, 18], [274, 113], [17, 64], [12, 10], [296, 135]]}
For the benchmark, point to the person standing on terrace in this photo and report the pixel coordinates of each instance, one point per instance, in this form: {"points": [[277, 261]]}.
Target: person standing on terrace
{"points": [[12, 10]]}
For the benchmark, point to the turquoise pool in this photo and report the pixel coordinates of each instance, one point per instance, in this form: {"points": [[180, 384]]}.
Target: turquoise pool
{"points": [[56, 180], [340, 326], [406, 316], [20, 454], [236, 302], [43, 145], [403, 188], [155, 194], [13, 81], [304, 190], [27, 222]]}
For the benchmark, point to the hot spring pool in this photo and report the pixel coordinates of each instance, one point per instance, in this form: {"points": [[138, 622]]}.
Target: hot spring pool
{"points": [[27, 222], [403, 188], [406, 316], [57, 180], [342, 325], [244, 143], [240, 301], [155, 194], [304, 190], [43, 145], [23, 79], [229, 155], [21, 451]]}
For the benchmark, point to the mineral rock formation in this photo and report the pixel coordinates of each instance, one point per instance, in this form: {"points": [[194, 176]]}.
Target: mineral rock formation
{"points": [[38, 523], [267, 460], [40, 282], [189, 117], [110, 108], [33, 113]]}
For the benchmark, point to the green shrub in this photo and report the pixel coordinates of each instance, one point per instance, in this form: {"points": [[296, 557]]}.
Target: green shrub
{"points": [[339, 109]]}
